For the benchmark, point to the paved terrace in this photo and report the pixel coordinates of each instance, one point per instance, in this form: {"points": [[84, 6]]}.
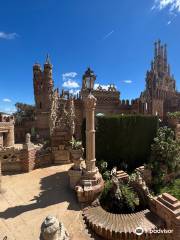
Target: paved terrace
{"points": [[30, 197]]}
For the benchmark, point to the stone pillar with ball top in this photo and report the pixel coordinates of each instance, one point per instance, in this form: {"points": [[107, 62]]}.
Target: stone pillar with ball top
{"points": [[91, 182]]}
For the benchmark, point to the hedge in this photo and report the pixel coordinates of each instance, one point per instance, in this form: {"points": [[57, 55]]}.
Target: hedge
{"points": [[124, 140]]}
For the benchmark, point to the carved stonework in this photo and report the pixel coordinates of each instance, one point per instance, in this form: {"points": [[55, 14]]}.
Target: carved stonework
{"points": [[52, 229]]}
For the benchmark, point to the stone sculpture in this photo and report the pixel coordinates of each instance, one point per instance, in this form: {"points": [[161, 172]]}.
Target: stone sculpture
{"points": [[52, 229]]}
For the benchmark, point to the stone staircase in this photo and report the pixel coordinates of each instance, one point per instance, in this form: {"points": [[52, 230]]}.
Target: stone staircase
{"points": [[121, 175], [121, 226]]}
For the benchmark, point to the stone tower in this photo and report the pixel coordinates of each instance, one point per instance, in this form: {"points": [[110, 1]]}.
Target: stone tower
{"points": [[43, 89], [160, 84], [43, 85]]}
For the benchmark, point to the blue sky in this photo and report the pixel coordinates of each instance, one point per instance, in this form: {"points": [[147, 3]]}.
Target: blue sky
{"points": [[114, 37]]}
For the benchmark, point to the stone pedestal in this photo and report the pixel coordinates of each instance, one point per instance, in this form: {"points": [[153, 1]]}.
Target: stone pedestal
{"points": [[28, 155], [61, 156], [74, 177], [75, 173]]}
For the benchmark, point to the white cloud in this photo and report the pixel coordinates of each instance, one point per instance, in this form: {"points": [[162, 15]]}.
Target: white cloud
{"points": [[10, 110], [173, 5], [8, 36], [96, 85], [6, 100], [127, 81], [108, 35], [70, 84], [69, 75], [74, 92]]}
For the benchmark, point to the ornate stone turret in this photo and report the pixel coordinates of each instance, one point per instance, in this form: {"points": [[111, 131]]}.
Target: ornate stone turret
{"points": [[52, 229], [160, 84], [43, 85]]}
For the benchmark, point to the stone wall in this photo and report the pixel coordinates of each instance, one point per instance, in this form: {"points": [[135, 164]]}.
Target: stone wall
{"points": [[23, 158], [167, 208]]}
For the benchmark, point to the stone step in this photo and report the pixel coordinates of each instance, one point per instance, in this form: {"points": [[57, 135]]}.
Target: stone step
{"points": [[114, 224], [169, 198]]}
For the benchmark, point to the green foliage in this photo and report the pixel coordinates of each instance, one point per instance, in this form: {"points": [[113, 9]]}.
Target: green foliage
{"points": [[173, 114], [124, 141], [121, 200], [103, 168], [172, 188], [24, 112], [165, 156], [75, 144], [106, 190]]}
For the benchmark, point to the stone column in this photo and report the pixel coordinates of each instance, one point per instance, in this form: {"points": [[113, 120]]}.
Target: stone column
{"points": [[90, 105], [92, 183], [10, 136]]}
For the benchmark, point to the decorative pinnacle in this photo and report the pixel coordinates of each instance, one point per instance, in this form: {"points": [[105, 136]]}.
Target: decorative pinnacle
{"points": [[48, 60]]}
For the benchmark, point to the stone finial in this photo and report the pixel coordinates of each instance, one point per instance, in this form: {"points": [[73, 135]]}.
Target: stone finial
{"points": [[91, 102], [28, 138], [52, 229]]}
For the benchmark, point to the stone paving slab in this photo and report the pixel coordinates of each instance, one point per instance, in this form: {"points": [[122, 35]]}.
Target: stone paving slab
{"points": [[30, 197]]}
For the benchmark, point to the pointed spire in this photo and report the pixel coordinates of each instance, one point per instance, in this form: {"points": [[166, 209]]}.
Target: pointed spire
{"points": [[165, 58], [155, 50], [48, 60], [159, 47], [152, 65], [169, 69]]}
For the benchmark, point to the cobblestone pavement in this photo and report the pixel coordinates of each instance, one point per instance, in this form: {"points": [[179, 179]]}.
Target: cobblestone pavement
{"points": [[30, 197]]}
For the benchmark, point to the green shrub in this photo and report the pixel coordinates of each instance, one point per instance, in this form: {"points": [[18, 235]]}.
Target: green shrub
{"points": [[124, 141], [165, 156], [120, 200], [173, 114], [172, 188]]}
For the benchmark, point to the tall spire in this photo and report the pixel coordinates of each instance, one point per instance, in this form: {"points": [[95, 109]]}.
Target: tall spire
{"points": [[155, 50], [165, 58], [159, 47], [48, 60]]}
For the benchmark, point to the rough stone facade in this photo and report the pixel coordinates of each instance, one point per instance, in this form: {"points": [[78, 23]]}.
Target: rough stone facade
{"points": [[6, 131], [24, 157]]}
